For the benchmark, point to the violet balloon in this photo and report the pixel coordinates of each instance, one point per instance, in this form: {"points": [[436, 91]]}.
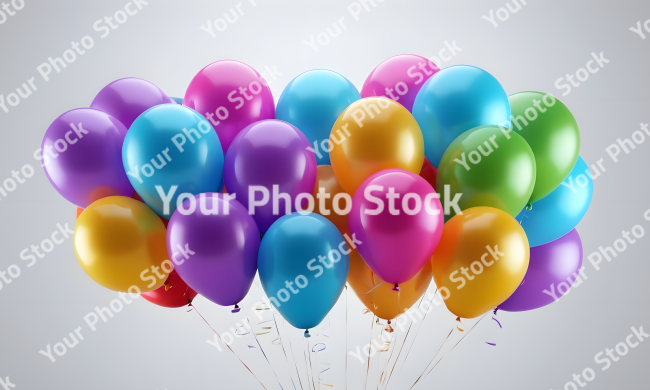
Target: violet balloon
{"points": [[552, 270], [269, 153], [399, 78], [397, 241], [214, 247], [232, 95], [127, 98], [82, 156]]}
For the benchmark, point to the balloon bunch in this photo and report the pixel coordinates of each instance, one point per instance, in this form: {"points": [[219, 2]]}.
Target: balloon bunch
{"points": [[179, 197]]}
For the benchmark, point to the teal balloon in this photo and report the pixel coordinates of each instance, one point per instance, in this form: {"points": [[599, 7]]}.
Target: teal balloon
{"points": [[177, 100], [559, 212], [303, 267], [312, 102], [454, 100], [176, 149]]}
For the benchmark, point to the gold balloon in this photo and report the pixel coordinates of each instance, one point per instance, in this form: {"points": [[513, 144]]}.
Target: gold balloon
{"points": [[116, 239], [326, 179], [371, 135], [383, 301], [481, 260]]}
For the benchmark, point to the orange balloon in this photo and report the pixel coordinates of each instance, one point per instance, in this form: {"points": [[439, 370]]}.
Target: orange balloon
{"points": [[383, 301], [326, 179], [481, 260], [371, 135]]}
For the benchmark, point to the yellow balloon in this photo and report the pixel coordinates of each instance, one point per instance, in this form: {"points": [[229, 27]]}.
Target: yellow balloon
{"points": [[371, 135], [326, 179], [481, 260], [383, 301], [116, 239]]}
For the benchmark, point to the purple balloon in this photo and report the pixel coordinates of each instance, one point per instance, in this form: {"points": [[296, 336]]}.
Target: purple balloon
{"points": [[552, 269], [126, 99], [267, 153], [213, 242], [82, 156]]}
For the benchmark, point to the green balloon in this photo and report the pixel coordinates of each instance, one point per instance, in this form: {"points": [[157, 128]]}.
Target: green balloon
{"points": [[552, 133], [489, 166]]}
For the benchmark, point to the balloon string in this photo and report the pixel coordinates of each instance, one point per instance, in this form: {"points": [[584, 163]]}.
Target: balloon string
{"points": [[391, 347], [498, 323], [264, 353], [373, 289], [372, 326], [311, 367], [399, 301], [296, 364], [392, 351], [406, 338], [462, 338], [231, 350], [523, 215], [346, 336], [406, 335], [285, 353], [446, 354], [434, 357]]}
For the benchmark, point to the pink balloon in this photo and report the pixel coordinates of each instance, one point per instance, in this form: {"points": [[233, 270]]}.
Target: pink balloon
{"points": [[399, 240], [231, 95], [399, 78]]}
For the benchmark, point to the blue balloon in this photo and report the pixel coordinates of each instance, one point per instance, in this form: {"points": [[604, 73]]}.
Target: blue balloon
{"points": [[559, 212], [312, 102], [177, 100], [455, 100], [170, 150], [303, 264]]}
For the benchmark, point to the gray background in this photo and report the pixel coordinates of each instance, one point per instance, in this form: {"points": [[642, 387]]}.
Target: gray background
{"points": [[147, 347]]}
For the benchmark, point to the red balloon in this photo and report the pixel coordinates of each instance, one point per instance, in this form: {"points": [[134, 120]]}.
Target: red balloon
{"points": [[174, 293], [429, 173]]}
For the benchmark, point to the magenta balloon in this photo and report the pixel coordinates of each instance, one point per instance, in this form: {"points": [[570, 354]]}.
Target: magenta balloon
{"points": [[232, 95], [125, 99], [215, 254], [82, 156], [552, 270], [399, 78], [267, 153], [394, 244]]}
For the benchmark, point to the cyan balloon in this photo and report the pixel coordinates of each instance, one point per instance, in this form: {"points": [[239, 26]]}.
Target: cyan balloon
{"points": [[454, 100], [303, 264], [312, 102], [559, 212], [170, 150]]}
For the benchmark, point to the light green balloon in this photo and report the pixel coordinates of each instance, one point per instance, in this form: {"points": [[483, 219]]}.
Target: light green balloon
{"points": [[490, 166], [552, 133]]}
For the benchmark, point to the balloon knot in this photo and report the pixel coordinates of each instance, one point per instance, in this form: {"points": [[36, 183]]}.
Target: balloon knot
{"points": [[529, 206], [458, 319], [236, 309], [167, 287], [495, 311], [307, 335], [396, 287]]}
